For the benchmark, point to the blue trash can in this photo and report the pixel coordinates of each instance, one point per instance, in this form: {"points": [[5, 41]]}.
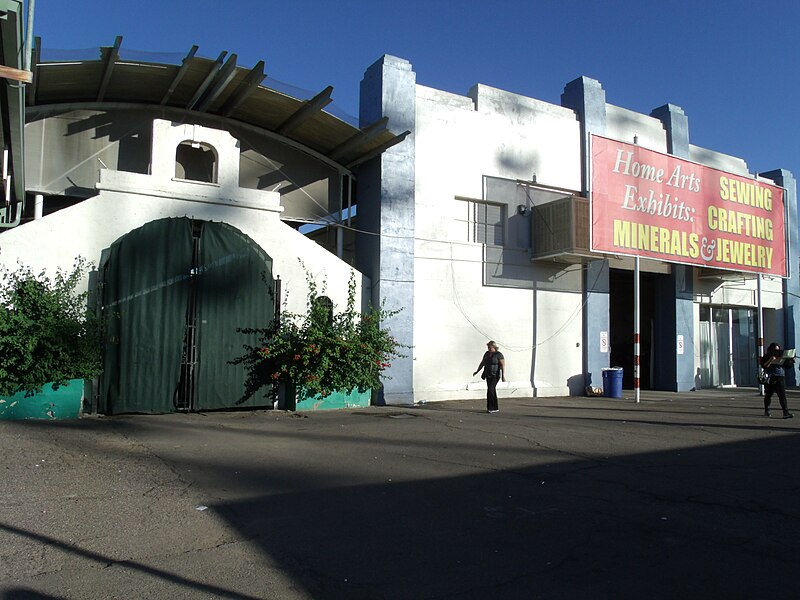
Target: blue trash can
{"points": [[612, 382]]}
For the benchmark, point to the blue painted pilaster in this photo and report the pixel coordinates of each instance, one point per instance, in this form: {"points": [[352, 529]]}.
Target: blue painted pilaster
{"points": [[676, 124], [676, 293], [791, 286], [588, 99], [674, 307], [386, 199]]}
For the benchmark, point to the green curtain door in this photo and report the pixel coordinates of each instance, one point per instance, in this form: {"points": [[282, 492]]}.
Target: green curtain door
{"points": [[162, 279], [232, 293]]}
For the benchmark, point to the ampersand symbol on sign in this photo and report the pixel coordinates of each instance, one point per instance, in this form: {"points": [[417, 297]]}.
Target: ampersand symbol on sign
{"points": [[707, 250]]}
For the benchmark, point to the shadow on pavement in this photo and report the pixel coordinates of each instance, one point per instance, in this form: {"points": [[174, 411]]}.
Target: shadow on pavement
{"points": [[713, 522], [106, 561], [26, 594]]}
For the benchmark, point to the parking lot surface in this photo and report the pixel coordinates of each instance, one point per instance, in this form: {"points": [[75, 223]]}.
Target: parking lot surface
{"points": [[690, 495]]}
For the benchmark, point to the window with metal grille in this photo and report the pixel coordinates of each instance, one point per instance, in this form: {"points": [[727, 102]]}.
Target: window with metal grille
{"points": [[487, 223]]}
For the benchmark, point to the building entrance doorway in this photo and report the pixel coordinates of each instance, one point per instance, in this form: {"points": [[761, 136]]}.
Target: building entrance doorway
{"points": [[727, 346], [175, 294], [621, 323]]}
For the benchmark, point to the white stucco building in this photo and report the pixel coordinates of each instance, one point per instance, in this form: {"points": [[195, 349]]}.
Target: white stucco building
{"points": [[468, 212], [483, 233]]}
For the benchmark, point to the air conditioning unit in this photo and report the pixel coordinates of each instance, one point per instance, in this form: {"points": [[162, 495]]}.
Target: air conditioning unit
{"points": [[560, 230]]}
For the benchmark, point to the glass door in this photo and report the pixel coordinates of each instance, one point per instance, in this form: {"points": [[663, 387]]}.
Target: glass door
{"points": [[727, 346], [721, 332], [745, 359]]}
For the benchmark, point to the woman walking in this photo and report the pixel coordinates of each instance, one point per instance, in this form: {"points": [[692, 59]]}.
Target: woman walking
{"points": [[493, 364], [773, 363]]}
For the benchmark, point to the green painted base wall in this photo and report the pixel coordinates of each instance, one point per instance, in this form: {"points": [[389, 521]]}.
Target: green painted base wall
{"points": [[63, 403], [290, 399]]}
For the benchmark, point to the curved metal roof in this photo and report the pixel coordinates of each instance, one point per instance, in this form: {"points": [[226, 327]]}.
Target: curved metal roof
{"points": [[217, 87]]}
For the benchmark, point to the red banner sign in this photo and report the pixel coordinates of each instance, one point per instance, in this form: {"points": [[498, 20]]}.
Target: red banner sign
{"points": [[644, 203]]}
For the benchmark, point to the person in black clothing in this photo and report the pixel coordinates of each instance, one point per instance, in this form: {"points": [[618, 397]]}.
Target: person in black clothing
{"points": [[493, 364], [772, 363]]}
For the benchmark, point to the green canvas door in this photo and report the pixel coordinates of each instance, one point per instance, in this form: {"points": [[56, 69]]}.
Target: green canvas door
{"points": [[175, 292], [145, 292], [234, 283]]}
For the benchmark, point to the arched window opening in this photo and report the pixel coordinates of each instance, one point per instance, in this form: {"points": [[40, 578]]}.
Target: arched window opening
{"points": [[322, 310], [196, 161]]}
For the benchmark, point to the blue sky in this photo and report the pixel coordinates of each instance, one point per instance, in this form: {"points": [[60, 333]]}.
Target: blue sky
{"points": [[733, 66]]}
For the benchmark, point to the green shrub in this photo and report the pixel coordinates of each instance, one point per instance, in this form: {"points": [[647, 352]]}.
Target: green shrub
{"points": [[322, 351], [47, 334]]}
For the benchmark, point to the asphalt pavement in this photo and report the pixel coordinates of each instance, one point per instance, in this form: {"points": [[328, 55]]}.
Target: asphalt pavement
{"points": [[690, 495]]}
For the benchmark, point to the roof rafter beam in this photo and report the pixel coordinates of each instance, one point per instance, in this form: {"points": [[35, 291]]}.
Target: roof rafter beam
{"points": [[207, 81], [380, 149], [246, 87], [220, 82], [15, 74], [180, 74], [179, 114], [305, 112], [112, 55], [359, 139]]}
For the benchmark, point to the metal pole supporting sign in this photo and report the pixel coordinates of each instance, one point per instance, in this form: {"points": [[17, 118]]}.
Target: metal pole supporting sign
{"points": [[637, 347], [760, 330]]}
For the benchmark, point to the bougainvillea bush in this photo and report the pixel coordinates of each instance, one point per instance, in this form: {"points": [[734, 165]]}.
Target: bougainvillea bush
{"points": [[323, 351], [47, 334]]}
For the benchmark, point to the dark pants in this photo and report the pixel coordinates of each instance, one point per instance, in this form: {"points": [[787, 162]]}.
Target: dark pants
{"points": [[778, 386], [491, 393]]}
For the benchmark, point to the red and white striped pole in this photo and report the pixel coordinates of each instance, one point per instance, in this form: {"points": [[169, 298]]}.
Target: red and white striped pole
{"points": [[760, 342], [637, 346]]}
